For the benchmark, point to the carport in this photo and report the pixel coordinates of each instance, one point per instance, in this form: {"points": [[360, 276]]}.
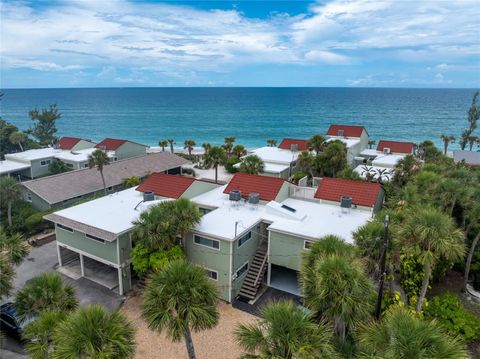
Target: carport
{"points": [[76, 265]]}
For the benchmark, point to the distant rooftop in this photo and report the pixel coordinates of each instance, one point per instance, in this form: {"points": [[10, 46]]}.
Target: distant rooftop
{"points": [[164, 185], [36, 154], [470, 157], [349, 142], [8, 166], [362, 193], [112, 144], [79, 155], [67, 143], [266, 187], [345, 130], [287, 143], [68, 185], [275, 154], [396, 146]]}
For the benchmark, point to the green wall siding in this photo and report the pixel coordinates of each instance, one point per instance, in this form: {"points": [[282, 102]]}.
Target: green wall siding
{"points": [[217, 260], [37, 169], [286, 250], [37, 202], [82, 145], [130, 149], [197, 188], [106, 251]]}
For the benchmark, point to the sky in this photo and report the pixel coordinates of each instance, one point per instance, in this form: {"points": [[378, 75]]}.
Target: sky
{"points": [[357, 43]]}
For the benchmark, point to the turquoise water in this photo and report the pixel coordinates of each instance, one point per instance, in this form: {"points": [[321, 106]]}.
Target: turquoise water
{"points": [[250, 114]]}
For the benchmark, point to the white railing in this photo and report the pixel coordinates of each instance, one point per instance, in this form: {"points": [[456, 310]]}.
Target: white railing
{"points": [[302, 192]]}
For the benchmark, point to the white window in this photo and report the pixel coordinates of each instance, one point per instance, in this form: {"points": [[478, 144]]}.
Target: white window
{"points": [[44, 163], [29, 197], [242, 270], [95, 238], [65, 228], [211, 274], [202, 241], [85, 165], [244, 239], [307, 244]]}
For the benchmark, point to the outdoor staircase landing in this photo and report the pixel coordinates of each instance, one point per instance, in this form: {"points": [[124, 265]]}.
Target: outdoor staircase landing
{"points": [[255, 274]]}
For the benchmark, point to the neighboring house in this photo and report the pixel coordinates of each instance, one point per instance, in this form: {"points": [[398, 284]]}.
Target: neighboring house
{"points": [[281, 161], [471, 158], [36, 161], [364, 195], [94, 238], [121, 149], [73, 144], [355, 139], [62, 190], [78, 159], [251, 232], [382, 161]]}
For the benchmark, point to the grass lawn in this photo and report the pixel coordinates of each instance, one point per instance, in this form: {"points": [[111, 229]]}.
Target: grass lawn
{"points": [[217, 343]]}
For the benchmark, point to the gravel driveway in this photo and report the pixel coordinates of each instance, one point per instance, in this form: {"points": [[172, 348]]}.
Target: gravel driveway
{"points": [[217, 343]]}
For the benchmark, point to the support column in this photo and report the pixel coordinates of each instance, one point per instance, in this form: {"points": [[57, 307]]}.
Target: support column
{"points": [[120, 281], [59, 255], [82, 268], [269, 273]]}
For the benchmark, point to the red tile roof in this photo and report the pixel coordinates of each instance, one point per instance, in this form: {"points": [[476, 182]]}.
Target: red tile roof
{"points": [[362, 193], [348, 131], [169, 186], [110, 144], [287, 143], [67, 143], [396, 146], [267, 187]]}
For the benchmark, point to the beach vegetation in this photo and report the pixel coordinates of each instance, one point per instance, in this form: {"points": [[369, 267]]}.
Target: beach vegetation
{"points": [[239, 151], [178, 300], [286, 331], [316, 143], [215, 157], [163, 144], [271, 142], [446, 139], [44, 124], [99, 159], [57, 167], [228, 144], [18, 138], [349, 173], [332, 159], [171, 142], [252, 165], [473, 116], [229, 165]]}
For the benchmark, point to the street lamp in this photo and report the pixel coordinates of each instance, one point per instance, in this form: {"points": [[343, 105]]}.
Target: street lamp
{"points": [[383, 262]]}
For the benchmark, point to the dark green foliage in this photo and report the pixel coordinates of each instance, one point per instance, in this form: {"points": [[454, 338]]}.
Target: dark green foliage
{"points": [[188, 171], [230, 162], [411, 275], [298, 176], [20, 211], [449, 312], [131, 182], [36, 224], [473, 117], [145, 261], [44, 127], [6, 130], [57, 167], [349, 173]]}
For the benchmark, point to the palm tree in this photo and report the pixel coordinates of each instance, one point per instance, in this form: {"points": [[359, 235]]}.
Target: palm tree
{"points": [[39, 333], [186, 215], [305, 161], [10, 192], [433, 234], [334, 284], [216, 156], [405, 169], [45, 292], [130, 182], [472, 217], [171, 143], [285, 331], [371, 143], [12, 251], [472, 140], [178, 299], [94, 332], [382, 173], [403, 335], [239, 151], [189, 145], [17, 138], [446, 141], [271, 143], [163, 144], [252, 164], [228, 144], [99, 159], [368, 172], [335, 153], [316, 143], [206, 147]]}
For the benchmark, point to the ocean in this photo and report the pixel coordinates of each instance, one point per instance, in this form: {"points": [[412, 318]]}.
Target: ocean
{"points": [[252, 115]]}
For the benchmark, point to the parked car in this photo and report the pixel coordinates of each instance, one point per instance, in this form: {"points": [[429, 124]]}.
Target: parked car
{"points": [[10, 323]]}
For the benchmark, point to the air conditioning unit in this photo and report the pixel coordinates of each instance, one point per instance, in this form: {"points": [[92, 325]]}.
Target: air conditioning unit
{"points": [[386, 150], [346, 202], [235, 195]]}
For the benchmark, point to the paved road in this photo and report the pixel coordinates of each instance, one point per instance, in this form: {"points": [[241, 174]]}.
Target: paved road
{"points": [[44, 259]]}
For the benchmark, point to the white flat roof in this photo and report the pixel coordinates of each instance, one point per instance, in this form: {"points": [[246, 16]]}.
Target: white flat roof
{"points": [[276, 155], [8, 166], [349, 142], [389, 161], [361, 170], [113, 213], [370, 152], [311, 219], [80, 155], [31, 155]]}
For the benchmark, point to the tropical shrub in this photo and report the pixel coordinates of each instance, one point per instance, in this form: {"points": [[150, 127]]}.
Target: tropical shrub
{"points": [[298, 176], [230, 162], [36, 224], [411, 275], [145, 261], [57, 167], [448, 311]]}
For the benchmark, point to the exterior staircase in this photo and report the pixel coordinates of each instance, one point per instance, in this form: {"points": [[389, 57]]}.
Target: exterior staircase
{"points": [[255, 274]]}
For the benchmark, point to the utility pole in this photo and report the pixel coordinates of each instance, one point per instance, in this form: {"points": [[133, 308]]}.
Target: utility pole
{"points": [[383, 262]]}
